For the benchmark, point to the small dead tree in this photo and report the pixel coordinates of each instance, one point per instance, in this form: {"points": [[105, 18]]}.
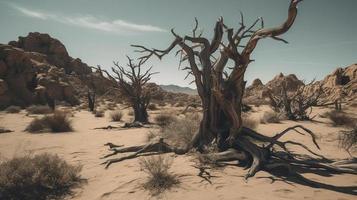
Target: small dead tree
{"points": [[131, 83], [91, 100], [221, 93], [296, 105]]}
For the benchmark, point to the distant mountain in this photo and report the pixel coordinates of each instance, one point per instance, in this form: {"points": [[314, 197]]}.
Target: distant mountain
{"points": [[178, 89]]}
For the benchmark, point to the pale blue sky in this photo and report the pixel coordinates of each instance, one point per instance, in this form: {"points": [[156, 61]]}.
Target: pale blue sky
{"points": [[99, 31]]}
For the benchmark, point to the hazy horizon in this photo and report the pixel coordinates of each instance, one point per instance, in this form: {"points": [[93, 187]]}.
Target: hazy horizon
{"points": [[99, 32]]}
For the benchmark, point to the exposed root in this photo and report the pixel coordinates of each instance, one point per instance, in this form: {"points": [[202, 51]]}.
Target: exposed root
{"points": [[244, 150]]}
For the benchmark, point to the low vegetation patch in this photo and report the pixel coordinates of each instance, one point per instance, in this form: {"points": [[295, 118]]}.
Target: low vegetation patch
{"points": [[348, 139], [249, 122], [152, 106], [270, 117], [164, 119], [181, 131], [159, 177], [99, 113], [39, 177], [13, 109], [116, 116], [39, 109], [58, 122], [340, 118], [5, 130]]}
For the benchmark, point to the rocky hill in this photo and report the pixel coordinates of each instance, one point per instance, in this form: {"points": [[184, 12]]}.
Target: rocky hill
{"points": [[341, 84], [37, 68], [179, 89]]}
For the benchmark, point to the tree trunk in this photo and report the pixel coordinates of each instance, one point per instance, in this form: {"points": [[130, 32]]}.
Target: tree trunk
{"points": [[140, 113]]}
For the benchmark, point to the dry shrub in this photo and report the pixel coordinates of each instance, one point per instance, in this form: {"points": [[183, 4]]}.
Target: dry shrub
{"points": [[116, 116], [131, 112], [339, 118], [180, 104], [58, 122], [270, 117], [42, 176], [99, 113], [208, 158], [348, 139], [39, 109], [159, 177], [13, 109], [249, 122], [162, 104], [181, 131], [164, 119], [152, 106]]}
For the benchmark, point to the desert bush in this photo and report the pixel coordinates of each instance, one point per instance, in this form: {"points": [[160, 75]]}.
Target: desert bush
{"points": [[180, 104], [131, 112], [13, 109], [164, 119], [270, 117], [152, 106], [339, 118], [181, 131], [161, 104], [249, 122], [58, 122], [42, 176], [39, 109], [116, 116], [99, 113], [348, 139], [159, 177]]}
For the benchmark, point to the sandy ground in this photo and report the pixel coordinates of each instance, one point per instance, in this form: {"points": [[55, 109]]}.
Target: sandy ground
{"points": [[123, 180]]}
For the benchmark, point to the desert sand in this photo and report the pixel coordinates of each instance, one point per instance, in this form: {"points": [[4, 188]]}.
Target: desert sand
{"points": [[123, 180]]}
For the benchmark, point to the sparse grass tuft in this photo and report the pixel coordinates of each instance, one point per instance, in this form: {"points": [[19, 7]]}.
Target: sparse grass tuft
{"points": [[13, 109], [339, 118], [164, 119], [58, 122], [116, 116], [159, 177], [99, 113], [270, 117], [181, 131], [348, 139], [153, 106], [249, 122], [42, 176], [39, 109]]}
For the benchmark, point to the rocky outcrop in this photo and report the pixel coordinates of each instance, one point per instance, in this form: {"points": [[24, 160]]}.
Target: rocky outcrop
{"points": [[37, 68], [341, 84]]}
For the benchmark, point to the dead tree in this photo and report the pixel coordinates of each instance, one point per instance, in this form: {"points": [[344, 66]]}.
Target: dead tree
{"points": [[222, 93], [131, 83], [296, 105], [91, 100]]}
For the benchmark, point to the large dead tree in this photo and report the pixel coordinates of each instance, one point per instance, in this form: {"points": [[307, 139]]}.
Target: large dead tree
{"points": [[131, 82], [296, 105], [221, 92]]}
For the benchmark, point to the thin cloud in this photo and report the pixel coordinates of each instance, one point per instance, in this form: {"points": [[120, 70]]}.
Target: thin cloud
{"points": [[117, 26]]}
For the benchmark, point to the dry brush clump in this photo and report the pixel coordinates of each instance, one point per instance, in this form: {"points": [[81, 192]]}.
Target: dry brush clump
{"points": [[348, 139], [13, 109], [340, 118], [39, 109], [159, 177], [180, 132], [57, 122], [116, 116], [249, 122], [43, 176], [164, 119], [271, 117], [152, 106]]}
